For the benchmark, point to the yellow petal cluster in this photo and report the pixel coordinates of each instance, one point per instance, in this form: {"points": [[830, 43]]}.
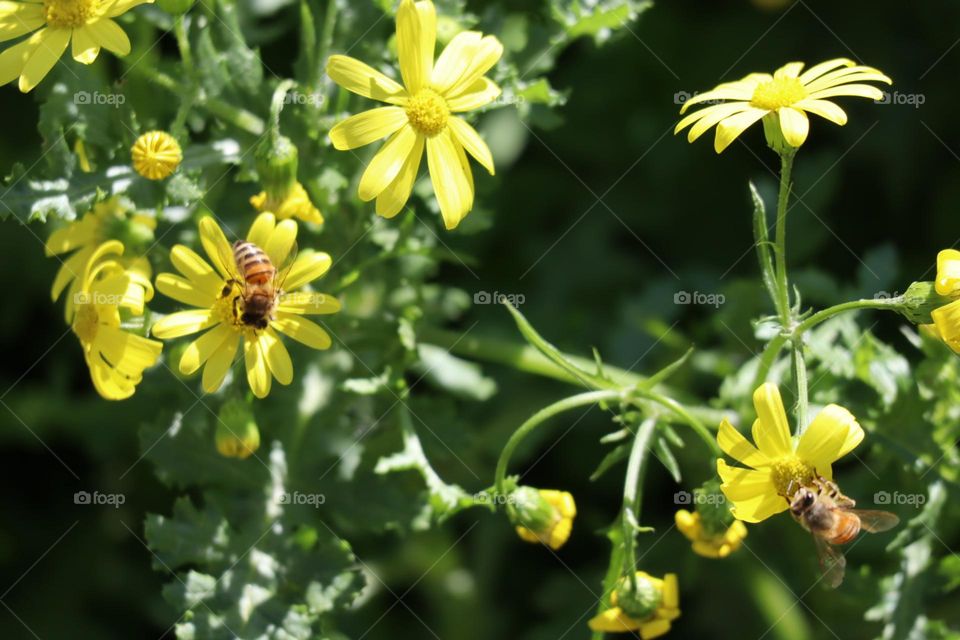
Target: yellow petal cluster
{"points": [[53, 24], [616, 620], [296, 204], [217, 301], [946, 319], [156, 155], [422, 116], [778, 461], [787, 97], [705, 543], [559, 525]]}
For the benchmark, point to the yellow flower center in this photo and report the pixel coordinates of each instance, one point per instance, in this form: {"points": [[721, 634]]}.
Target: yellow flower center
{"points": [[69, 13], [428, 112], [86, 322], [229, 307], [779, 92], [789, 474]]}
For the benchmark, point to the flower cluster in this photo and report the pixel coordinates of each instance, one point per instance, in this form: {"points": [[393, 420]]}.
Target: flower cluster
{"points": [[641, 604]]}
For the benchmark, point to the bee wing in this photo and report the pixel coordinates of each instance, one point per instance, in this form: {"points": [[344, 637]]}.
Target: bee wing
{"points": [[876, 521], [229, 261], [283, 270], [832, 563]]}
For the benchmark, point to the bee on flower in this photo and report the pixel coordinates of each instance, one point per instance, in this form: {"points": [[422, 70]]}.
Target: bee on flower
{"points": [[53, 24], [641, 604], [244, 297], [542, 516], [107, 291], [778, 461], [781, 100], [422, 115]]}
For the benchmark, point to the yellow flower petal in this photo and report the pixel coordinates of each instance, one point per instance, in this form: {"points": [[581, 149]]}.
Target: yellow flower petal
{"points": [[19, 18], [70, 270], [218, 249], [454, 60], [109, 35], [369, 126], [262, 228], [258, 373], [824, 109], [771, 432], [302, 330], [122, 6], [847, 76], [830, 436], [387, 164], [818, 70], [948, 272], [277, 357], [85, 48], [744, 484], [184, 291], [416, 39], [729, 129], [857, 90], [184, 323], [654, 629], [49, 48], [451, 182], [732, 91], [392, 199], [613, 620], [486, 54], [736, 446], [472, 142], [483, 92], [789, 70], [364, 80], [281, 242], [13, 59], [200, 350], [706, 118], [308, 266], [308, 303], [196, 269], [760, 508], [794, 124], [220, 362]]}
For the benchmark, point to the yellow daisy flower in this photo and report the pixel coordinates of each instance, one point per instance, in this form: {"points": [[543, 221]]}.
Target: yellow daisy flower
{"points": [[116, 358], [543, 516], [297, 204], [217, 295], [156, 155], [54, 24], [946, 319], [110, 219], [705, 543], [779, 460], [652, 608], [784, 99], [421, 115]]}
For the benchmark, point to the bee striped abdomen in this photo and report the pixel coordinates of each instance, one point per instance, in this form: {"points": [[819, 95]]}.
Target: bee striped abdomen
{"points": [[253, 263], [848, 527]]}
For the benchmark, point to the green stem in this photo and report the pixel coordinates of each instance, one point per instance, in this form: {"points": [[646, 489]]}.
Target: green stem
{"points": [[783, 293], [633, 493], [276, 106], [580, 400], [183, 43], [326, 36], [800, 372], [694, 422], [879, 303]]}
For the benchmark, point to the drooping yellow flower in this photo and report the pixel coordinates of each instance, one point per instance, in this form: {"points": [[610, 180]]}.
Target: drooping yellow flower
{"points": [[946, 319], [705, 543], [542, 516], [116, 358], [648, 609], [113, 218], [54, 24], [217, 295], [422, 114], [785, 99], [780, 462], [156, 155], [237, 434], [297, 204]]}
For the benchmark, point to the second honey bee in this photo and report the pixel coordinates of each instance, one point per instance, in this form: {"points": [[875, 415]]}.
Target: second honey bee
{"points": [[831, 517], [260, 283]]}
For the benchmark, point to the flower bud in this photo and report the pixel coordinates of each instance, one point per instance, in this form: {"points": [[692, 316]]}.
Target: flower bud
{"points": [[920, 300], [638, 596], [642, 604], [774, 135], [156, 155], [542, 515], [277, 160], [237, 434]]}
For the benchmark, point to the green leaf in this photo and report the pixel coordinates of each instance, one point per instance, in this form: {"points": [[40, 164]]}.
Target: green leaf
{"points": [[455, 375]]}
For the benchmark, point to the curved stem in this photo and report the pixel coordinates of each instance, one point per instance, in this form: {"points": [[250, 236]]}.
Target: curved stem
{"points": [[183, 43], [276, 106], [829, 312], [633, 493], [695, 424], [537, 419]]}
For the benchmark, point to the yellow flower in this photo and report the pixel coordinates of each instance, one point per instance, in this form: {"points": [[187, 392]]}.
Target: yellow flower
{"points": [[237, 434], [543, 515], [421, 115], [653, 607], [297, 204], [156, 155], [218, 297], [53, 24], [110, 219], [706, 544], [946, 319], [779, 461], [786, 96], [116, 358]]}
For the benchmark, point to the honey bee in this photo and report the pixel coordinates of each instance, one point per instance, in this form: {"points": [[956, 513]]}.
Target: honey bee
{"points": [[830, 516], [260, 283]]}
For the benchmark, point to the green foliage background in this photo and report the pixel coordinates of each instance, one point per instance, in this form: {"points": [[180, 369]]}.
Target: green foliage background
{"points": [[597, 216]]}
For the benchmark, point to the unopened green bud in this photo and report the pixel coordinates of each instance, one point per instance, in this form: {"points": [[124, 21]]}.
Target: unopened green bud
{"points": [[638, 596], [527, 507], [237, 434], [277, 160], [175, 7], [920, 300], [712, 505], [774, 134]]}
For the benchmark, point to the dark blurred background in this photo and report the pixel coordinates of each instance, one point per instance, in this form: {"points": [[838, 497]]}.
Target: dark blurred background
{"points": [[598, 221]]}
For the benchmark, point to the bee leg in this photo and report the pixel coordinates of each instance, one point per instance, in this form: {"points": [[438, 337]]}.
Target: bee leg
{"points": [[791, 489]]}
